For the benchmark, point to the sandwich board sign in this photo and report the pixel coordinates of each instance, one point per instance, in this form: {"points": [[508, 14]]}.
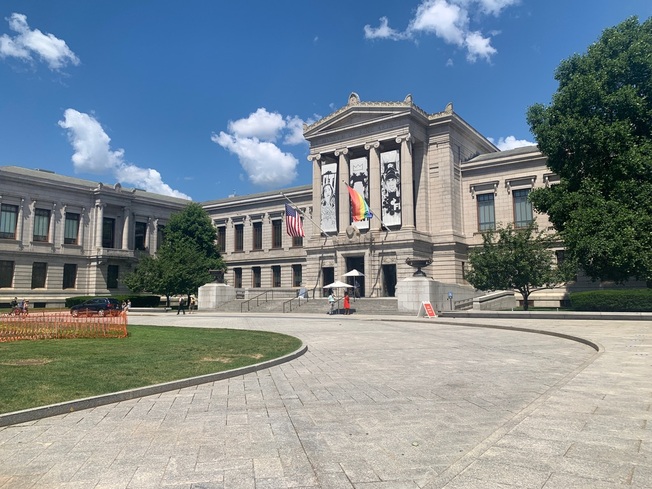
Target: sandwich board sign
{"points": [[426, 310]]}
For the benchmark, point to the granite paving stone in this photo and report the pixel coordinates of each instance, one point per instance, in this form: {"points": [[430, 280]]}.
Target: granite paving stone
{"points": [[374, 403]]}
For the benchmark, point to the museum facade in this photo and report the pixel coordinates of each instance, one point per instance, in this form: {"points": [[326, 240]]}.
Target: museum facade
{"points": [[432, 182]]}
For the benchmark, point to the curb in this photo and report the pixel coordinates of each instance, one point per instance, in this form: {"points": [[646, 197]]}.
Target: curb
{"points": [[91, 402]]}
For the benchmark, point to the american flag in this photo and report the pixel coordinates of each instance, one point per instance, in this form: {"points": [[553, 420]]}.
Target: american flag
{"points": [[293, 222]]}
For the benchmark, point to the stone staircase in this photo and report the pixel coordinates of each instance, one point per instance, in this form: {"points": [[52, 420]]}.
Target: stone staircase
{"points": [[370, 306]]}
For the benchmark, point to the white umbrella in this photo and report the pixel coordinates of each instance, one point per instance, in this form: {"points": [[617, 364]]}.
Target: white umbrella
{"points": [[338, 285], [353, 273]]}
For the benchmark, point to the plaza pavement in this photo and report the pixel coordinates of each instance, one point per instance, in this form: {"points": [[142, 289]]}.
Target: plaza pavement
{"points": [[374, 404]]}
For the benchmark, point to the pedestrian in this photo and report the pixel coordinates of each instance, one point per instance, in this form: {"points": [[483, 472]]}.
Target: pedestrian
{"points": [[182, 306], [25, 307], [331, 301], [126, 306], [347, 303], [193, 304]]}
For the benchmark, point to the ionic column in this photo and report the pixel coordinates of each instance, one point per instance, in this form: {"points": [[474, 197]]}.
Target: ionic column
{"points": [[374, 177], [32, 212], [99, 223], [316, 191], [21, 216], [148, 230], [407, 187], [62, 224], [80, 241], [52, 224], [344, 211], [154, 240], [126, 225]]}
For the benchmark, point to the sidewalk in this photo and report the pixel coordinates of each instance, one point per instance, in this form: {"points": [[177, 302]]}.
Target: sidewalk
{"points": [[375, 404]]}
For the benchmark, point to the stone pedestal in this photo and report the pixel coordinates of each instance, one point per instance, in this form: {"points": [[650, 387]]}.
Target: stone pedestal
{"points": [[412, 291], [212, 295]]}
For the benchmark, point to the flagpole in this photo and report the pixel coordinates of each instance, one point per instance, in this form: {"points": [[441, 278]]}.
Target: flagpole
{"points": [[374, 214], [305, 215]]}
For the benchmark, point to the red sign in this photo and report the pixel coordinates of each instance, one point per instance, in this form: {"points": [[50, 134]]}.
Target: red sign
{"points": [[426, 309]]}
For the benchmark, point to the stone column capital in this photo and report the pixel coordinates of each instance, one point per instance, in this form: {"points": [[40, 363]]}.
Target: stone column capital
{"points": [[372, 144], [341, 151], [315, 157]]}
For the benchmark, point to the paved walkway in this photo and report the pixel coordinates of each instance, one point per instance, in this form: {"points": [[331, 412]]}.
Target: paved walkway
{"points": [[373, 404]]}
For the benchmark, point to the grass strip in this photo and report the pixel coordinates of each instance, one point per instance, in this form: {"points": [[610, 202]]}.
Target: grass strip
{"points": [[38, 373]]}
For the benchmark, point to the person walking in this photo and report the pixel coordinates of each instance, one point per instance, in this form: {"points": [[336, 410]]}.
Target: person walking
{"points": [[193, 304], [347, 303], [331, 301], [182, 305]]}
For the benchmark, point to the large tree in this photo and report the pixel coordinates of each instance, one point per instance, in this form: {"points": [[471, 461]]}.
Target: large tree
{"points": [[515, 259], [183, 261], [597, 136]]}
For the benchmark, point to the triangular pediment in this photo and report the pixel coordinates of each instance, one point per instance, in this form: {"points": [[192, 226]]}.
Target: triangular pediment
{"points": [[349, 117], [358, 114]]}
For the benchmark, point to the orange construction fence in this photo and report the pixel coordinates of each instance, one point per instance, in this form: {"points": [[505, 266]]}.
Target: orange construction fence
{"points": [[56, 325]]}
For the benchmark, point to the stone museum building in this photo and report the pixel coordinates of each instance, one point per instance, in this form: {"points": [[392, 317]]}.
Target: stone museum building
{"points": [[433, 183]]}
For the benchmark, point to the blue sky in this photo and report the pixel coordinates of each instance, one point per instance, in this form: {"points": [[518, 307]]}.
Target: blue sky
{"points": [[206, 99]]}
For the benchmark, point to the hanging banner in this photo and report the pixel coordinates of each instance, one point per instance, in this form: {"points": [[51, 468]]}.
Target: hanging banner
{"points": [[359, 180], [390, 187], [329, 197]]}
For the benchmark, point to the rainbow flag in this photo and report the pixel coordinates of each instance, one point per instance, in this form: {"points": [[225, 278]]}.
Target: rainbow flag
{"points": [[359, 208]]}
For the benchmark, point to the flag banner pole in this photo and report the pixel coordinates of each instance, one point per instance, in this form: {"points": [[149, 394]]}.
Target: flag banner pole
{"points": [[373, 213], [305, 215]]}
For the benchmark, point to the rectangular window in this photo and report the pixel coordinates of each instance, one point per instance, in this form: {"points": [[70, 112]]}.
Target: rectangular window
{"points": [[6, 273], [256, 277], [522, 208], [39, 272], [237, 278], [69, 276], [108, 232], [8, 220], [486, 212], [258, 235], [139, 235], [41, 224], [296, 275], [276, 276], [277, 234], [112, 277], [71, 229], [221, 238], [238, 241]]}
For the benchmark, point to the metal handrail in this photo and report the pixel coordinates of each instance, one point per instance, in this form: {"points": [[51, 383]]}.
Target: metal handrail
{"points": [[297, 298], [257, 297]]}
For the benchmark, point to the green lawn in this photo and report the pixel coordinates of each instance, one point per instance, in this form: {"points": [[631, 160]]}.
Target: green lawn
{"points": [[38, 373]]}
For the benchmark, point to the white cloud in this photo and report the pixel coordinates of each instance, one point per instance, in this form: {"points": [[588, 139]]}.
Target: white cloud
{"points": [[93, 154], [253, 141], [450, 21], [27, 42], [384, 31], [510, 142]]}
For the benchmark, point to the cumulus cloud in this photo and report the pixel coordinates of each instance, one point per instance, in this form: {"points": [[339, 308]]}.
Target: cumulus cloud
{"points": [[93, 154], [28, 43], [510, 142], [450, 21], [254, 141]]}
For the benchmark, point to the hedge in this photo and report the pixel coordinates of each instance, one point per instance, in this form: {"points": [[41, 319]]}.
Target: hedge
{"points": [[136, 300], [612, 300]]}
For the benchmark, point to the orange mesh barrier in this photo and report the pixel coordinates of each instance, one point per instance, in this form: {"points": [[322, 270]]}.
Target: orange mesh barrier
{"points": [[55, 325]]}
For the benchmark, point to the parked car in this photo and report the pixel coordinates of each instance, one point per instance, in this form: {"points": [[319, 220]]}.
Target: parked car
{"points": [[102, 306]]}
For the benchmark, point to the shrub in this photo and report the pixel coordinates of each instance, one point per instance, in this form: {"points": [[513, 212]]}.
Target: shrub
{"points": [[621, 300]]}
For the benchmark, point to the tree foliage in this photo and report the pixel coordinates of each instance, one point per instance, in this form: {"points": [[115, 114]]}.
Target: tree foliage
{"points": [[183, 261], [597, 136], [515, 259]]}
